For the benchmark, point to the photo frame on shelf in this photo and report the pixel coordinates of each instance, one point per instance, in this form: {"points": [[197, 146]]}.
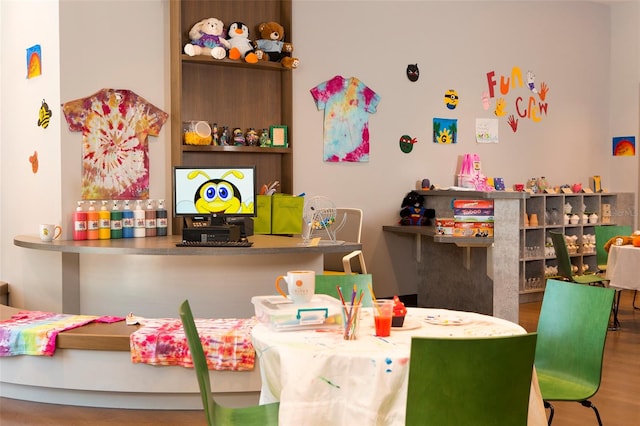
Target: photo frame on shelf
{"points": [[278, 136]]}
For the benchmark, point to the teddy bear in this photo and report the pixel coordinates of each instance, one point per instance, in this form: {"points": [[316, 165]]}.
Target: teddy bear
{"points": [[413, 211], [208, 38], [271, 47], [240, 45]]}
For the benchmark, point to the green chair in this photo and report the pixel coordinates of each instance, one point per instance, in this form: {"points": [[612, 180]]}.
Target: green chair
{"points": [[475, 381], [218, 415], [326, 284], [564, 262], [572, 329], [603, 234]]}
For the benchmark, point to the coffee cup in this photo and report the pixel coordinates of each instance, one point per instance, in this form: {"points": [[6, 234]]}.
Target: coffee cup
{"points": [[49, 232], [301, 286]]}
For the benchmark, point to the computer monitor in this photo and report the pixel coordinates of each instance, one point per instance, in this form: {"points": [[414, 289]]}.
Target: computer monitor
{"points": [[214, 192]]}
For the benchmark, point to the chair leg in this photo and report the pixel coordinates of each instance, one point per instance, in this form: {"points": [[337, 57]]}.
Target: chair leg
{"points": [[587, 403], [548, 405], [635, 293], [616, 306]]}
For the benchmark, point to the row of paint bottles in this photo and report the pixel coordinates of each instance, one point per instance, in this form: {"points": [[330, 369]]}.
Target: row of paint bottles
{"points": [[104, 224]]}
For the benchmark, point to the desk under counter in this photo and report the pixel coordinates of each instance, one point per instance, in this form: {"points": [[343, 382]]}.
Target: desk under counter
{"points": [[468, 273], [151, 276]]}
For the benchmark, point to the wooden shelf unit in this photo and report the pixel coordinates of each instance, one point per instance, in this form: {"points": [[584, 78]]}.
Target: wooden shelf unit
{"points": [[230, 93]]}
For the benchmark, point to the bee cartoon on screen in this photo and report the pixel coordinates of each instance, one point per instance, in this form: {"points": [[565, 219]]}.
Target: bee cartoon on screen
{"points": [[219, 195]]}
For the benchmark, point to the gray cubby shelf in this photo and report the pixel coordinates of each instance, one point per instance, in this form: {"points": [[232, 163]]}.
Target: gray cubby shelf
{"points": [[535, 252]]}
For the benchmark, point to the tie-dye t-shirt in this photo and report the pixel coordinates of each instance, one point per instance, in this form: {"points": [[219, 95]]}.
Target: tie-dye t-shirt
{"points": [[115, 125], [346, 104]]}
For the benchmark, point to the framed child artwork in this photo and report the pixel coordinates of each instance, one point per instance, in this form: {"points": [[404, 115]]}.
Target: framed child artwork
{"points": [[278, 136]]}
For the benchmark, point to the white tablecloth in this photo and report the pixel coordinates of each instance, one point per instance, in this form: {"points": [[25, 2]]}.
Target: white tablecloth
{"points": [[321, 379], [623, 267]]}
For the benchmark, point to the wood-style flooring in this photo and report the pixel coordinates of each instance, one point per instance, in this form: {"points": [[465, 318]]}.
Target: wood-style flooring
{"points": [[618, 398]]}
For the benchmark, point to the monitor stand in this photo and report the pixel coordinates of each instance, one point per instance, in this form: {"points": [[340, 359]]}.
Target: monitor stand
{"points": [[209, 228]]}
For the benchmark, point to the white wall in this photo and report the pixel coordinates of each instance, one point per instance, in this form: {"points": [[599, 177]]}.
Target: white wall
{"points": [[585, 51]]}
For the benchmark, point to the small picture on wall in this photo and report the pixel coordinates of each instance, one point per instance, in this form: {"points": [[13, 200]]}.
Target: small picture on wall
{"points": [[278, 136], [624, 146]]}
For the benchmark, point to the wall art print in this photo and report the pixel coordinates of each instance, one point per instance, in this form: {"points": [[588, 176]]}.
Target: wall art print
{"points": [[445, 131], [624, 146]]}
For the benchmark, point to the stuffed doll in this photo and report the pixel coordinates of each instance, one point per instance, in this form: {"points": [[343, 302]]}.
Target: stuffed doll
{"points": [[413, 211], [271, 47], [208, 38], [240, 45]]}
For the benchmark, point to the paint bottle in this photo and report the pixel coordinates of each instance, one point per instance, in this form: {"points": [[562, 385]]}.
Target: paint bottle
{"points": [[150, 220], [104, 222], [127, 221], [93, 222], [116, 221], [161, 219], [79, 223], [139, 221]]}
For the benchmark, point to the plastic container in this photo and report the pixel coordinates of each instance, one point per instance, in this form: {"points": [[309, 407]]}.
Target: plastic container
{"points": [[150, 220], [116, 221], [93, 222], [79, 223], [128, 222], [104, 222], [281, 315], [139, 221], [161, 219]]}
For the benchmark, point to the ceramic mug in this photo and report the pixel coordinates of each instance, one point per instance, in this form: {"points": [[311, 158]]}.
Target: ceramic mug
{"points": [[301, 285], [49, 232]]}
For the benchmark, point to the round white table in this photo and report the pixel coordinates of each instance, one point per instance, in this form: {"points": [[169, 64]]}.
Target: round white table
{"points": [[321, 379], [623, 267]]}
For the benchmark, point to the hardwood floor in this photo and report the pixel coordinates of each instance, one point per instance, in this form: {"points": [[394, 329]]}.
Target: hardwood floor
{"points": [[618, 398]]}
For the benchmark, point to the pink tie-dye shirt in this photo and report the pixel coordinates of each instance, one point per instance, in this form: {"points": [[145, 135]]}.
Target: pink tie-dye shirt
{"points": [[115, 125], [346, 104]]}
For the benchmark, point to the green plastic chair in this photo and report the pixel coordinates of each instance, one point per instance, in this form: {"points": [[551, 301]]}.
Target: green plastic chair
{"points": [[572, 329], [326, 284], [476, 381], [564, 262], [603, 234], [218, 415]]}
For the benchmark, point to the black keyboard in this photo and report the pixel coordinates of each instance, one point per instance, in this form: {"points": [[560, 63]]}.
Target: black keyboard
{"points": [[242, 243]]}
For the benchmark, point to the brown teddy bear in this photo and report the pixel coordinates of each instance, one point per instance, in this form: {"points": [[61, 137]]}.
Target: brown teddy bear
{"points": [[271, 47]]}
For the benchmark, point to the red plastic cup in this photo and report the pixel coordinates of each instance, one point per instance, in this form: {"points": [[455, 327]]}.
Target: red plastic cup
{"points": [[382, 315]]}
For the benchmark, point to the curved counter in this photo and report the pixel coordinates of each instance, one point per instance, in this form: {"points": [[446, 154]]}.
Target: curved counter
{"points": [[149, 277], [166, 274]]}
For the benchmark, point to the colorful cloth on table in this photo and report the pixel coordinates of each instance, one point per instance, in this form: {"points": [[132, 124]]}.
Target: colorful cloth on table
{"points": [[226, 343], [35, 332], [346, 104], [115, 126]]}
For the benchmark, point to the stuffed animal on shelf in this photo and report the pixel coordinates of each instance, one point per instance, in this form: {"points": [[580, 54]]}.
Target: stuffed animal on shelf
{"points": [[413, 212], [271, 47], [208, 38], [240, 45]]}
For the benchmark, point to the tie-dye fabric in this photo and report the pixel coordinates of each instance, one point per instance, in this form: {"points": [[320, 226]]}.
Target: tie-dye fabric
{"points": [[347, 104], [226, 343], [35, 332], [115, 126]]}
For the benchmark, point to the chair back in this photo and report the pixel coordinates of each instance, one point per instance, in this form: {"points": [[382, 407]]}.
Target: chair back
{"points": [[603, 234], [220, 415], [562, 255], [348, 228], [199, 360], [572, 329], [476, 381], [326, 284]]}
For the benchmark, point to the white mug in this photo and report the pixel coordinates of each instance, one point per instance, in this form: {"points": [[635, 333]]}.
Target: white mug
{"points": [[49, 232], [301, 285]]}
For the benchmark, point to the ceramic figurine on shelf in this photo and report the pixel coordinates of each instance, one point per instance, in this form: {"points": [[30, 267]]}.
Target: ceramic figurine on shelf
{"points": [[264, 138], [225, 138], [251, 137], [214, 134]]}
